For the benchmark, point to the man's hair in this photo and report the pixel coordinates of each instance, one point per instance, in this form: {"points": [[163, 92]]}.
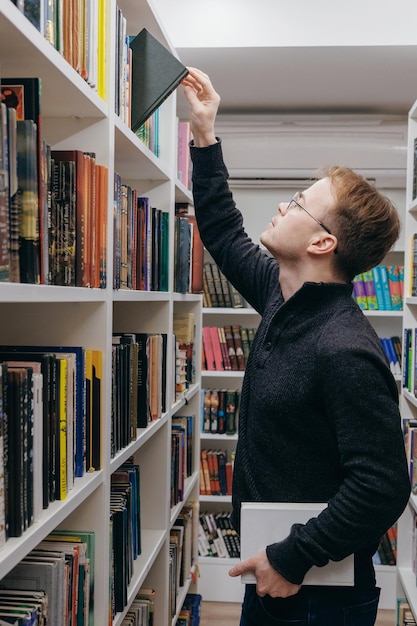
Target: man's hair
{"points": [[365, 222]]}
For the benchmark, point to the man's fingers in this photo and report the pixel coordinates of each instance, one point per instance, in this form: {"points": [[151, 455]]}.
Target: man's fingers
{"points": [[242, 567]]}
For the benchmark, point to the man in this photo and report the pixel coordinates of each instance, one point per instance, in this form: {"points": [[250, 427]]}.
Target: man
{"points": [[319, 418]]}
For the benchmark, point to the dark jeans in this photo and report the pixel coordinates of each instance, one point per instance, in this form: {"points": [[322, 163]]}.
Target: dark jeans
{"points": [[312, 606]]}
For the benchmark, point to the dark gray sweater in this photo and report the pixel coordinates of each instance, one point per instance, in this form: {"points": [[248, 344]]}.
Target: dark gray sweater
{"points": [[319, 418]]}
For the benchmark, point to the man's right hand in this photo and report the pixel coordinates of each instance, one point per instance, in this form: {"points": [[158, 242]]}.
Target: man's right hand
{"points": [[204, 103]]}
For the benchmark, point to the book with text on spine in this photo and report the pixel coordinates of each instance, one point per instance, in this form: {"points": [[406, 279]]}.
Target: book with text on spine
{"points": [[264, 523]]}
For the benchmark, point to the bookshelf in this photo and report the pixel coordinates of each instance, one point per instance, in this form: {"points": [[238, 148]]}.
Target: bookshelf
{"points": [[215, 584], [406, 586], [74, 116]]}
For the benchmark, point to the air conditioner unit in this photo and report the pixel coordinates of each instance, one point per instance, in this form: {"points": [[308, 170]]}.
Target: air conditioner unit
{"points": [[278, 151]]}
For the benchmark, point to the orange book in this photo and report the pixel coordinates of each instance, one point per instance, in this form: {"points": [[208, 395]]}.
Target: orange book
{"points": [[206, 471], [100, 266], [212, 472]]}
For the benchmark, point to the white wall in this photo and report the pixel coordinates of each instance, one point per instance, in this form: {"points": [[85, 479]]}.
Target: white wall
{"points": [[259, 205], [242, 23]]}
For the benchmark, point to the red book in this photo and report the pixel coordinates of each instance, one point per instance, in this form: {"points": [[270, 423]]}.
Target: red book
{"points": [[215, 342], [208, 349]]}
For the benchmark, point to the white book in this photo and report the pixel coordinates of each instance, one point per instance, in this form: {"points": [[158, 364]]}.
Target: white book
{"points": [[264, 523]]}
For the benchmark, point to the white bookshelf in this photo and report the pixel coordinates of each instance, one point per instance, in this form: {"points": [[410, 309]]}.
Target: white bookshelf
{"points": [[406, 586], [74, 116]]}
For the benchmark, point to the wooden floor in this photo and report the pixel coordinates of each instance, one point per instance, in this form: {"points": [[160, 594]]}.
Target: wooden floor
{"points": [[228, 614]]}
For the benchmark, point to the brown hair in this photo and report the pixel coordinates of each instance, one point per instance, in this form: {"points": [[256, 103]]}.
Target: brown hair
{"points": [[365, 222]]}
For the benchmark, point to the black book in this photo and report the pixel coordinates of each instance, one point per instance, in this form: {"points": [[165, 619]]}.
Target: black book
{"points": [[156, 72]]}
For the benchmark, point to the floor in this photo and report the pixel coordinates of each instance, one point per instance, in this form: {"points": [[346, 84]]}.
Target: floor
{"points": [[227, 614]]}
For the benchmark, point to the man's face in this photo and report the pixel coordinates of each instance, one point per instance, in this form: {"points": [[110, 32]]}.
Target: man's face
{"points": [[291, 230]]}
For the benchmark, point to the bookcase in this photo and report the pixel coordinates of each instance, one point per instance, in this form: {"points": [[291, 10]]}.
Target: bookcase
{"points": [[406, 587], [74, 116], [215, 583]]}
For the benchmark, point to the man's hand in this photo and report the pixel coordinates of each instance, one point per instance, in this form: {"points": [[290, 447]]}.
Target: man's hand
{"points": [[204, 103], [268, 580]]}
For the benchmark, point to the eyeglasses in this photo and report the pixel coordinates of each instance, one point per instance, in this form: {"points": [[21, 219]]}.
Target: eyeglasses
{"points": [[294, 200]]}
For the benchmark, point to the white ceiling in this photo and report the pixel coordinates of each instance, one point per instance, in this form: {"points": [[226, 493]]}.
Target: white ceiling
{"points": [[298, 56], [361, 79]]}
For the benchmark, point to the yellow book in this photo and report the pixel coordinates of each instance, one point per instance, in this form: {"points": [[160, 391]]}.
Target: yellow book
{"points": [[62, 482], [101, 49]]}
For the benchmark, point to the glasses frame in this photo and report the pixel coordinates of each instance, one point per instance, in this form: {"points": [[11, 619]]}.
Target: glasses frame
{"points": [[293, 200]]}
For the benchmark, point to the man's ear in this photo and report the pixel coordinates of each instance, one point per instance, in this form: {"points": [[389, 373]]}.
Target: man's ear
{"points": [[322, 244]]}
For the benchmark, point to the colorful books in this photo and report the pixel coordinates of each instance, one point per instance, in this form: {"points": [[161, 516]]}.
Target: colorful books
{"points": [[382, 288]]}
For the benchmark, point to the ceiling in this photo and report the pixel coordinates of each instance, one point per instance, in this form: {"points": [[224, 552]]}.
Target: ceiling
{"points": [[299, 56], [342, 80]]}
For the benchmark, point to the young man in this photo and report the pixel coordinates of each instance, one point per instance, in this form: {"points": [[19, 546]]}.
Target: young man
{"points": [[319, 418]]}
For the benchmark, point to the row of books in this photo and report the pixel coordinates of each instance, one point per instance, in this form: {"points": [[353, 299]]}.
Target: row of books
{"points": [[404, 614], [141, 610], [54, 583], [182, 432], [217, 537], [386, 553], [53, 203], [184, 330], [218, 291], [219, 411], [393, 349], [181, 558], [188, 251], [381, 288], [216, 472], [226, 347], [125, 529], [141, 237], [139, 386], [50, 423], [77, 30]]}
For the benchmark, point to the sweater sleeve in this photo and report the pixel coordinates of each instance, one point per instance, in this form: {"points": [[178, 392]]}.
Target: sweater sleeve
{"points": [[361, 400], [220, 223]]}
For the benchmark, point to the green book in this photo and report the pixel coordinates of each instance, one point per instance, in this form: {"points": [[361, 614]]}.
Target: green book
{"points": [[156, 72]]}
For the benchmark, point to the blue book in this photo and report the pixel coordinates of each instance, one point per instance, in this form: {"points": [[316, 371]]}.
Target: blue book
{"points": [[383, 279], [378, 289]]}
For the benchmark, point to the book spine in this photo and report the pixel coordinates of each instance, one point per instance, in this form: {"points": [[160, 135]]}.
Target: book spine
{"points": [[383, 275], [370, 290], [359, 292]]}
